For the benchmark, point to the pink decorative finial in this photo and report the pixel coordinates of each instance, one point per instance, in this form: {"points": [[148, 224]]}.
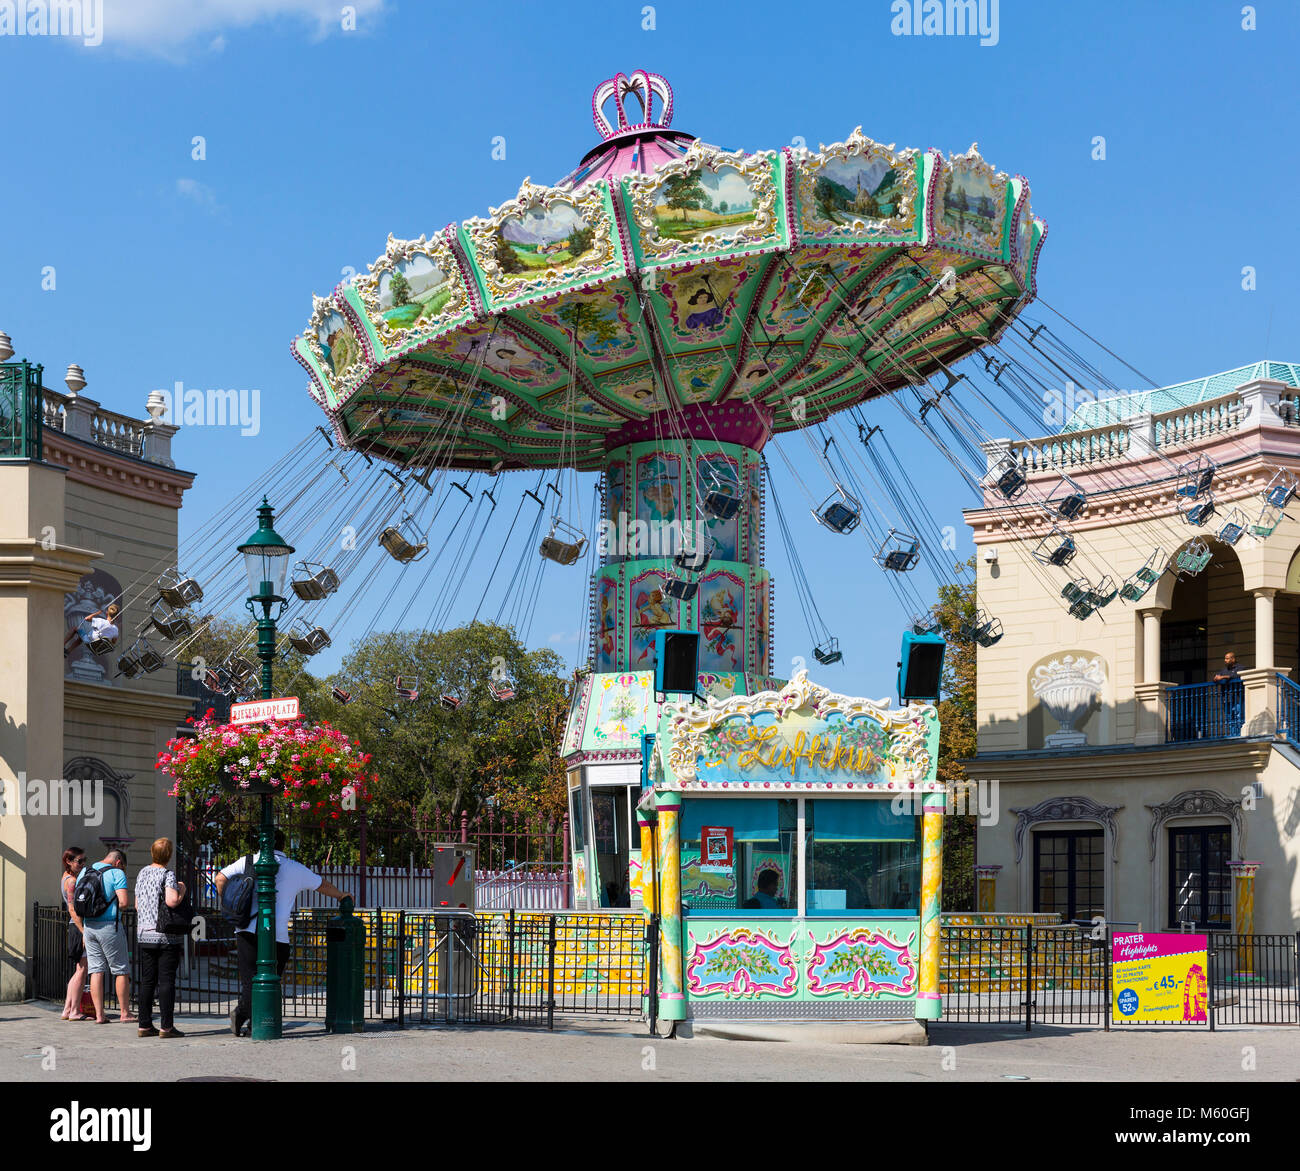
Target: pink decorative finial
{"points": [[644, 87]]}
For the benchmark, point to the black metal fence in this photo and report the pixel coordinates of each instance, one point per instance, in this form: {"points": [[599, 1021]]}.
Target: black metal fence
{"points": [[1061, 974], [523, 967]]}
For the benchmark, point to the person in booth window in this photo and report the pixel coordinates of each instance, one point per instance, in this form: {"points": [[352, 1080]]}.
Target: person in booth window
{"points": [[291, 880], [765, 897]]}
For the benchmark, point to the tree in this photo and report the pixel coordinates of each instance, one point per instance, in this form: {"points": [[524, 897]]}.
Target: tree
{"points": [[580, 240], [400, 288], [685, 192], [722, 207], [957, 742], [505, 256], [586, 320]]}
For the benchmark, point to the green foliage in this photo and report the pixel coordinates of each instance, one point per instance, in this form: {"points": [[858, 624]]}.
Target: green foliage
{"points": [[506, 258], [586, 320], [580, 240], [685, 192], [400, 287]]}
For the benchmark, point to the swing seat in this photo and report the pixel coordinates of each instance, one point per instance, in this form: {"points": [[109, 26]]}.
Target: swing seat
{"points": [[1134, 589], [408, 688], [1233, 529], [1081, 609], [1075, 591], [342, 696], [898, 552], [1008, 477], [1103, 593], [828, 652], [563, 544], [141, 657], [840, 512], [315, 583], [101, 646], [680, 588], [239, 670], [989, 632], [398, 545], [500, 691], [1200, 514], [171, 624], [721, 503], [309, 640], [1197, 478], [450, 702], [924, 625], [178, 591], [693, 560], [1190, 561], [1066, 500], [1057, 548], [1280, 493], [129, 664], [1264, 530]]}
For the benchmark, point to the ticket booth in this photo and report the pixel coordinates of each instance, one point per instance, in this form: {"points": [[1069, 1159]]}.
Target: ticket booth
{"points": [[796, 839]]}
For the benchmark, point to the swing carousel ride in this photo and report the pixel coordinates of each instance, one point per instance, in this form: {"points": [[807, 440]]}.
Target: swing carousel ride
{"points": [[659, 316]]}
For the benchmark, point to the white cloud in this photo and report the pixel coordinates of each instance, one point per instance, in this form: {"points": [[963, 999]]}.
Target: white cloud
{"points": [[198, 193], [169, 29], [560, 637]]}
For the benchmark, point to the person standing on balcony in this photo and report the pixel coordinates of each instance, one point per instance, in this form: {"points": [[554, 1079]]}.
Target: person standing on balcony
{"points": [[1231, 694]]}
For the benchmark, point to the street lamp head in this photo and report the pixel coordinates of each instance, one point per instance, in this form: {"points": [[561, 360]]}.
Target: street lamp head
{"points": [[266, 559]]}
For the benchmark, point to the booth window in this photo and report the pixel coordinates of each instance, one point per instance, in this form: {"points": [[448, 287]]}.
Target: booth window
{"points": [[761, 878], [861, 856]]}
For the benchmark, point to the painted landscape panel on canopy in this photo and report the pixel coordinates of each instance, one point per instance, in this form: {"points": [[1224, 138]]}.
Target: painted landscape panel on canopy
{"points": [[870, 192], [972, 206], [543, 238], [415, 290], [339, 348], [719, 202], [622, 707]]}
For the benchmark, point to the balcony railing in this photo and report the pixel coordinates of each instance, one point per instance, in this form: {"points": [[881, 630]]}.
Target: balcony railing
{"points": [[107, 428], [1288, 709], [1206, 711]]}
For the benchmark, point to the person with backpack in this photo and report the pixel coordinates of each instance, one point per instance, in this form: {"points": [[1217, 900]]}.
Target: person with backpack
{"points": [[99, 898], [74, 858], [237, 890], [161, 937]]}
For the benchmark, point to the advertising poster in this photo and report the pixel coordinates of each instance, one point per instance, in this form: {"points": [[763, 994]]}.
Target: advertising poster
{"points": [[1159, 978], [716, 845]]}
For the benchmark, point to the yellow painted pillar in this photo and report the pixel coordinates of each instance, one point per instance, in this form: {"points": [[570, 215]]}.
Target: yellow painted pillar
{"points": [[929, 1003], [986, 888], [672, 994], [1243, 915]]}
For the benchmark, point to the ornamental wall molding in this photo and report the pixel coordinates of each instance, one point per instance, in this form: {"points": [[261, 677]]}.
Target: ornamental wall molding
{"points": [[99, 468], [1197, 803], [91, 768], [1067, 687], [1066, 809]]}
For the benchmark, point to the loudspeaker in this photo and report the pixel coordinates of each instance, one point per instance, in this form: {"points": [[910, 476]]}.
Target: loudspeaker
{"points": [[921, 667], [677, 656]]}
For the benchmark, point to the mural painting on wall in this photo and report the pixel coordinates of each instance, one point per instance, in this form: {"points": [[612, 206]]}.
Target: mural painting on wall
{"points": [[720, 686], [413, 290], [658, 489], [714, 471], [95, 592], [615, 492], [719, 202], [861, 961], [338, 342], [755, 530], [607, 624], [704, 886], [624, 705], [722, 622], [742, 962], [652, 611], [542, 238]]}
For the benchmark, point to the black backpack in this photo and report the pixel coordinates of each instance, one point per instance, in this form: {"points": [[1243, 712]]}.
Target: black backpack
{"points": [[88, 897], [175, 920], [237, 898]]}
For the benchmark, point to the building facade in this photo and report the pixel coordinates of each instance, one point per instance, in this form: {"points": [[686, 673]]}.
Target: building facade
{"points": [[1130, 784], [89, 508]]}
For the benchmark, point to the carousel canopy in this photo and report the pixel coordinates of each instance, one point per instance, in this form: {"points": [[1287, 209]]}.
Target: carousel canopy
{"points": [[667, 284]]}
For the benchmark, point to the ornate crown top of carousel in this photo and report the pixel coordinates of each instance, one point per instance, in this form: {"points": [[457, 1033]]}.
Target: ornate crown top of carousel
{"points": [[670, 286]]}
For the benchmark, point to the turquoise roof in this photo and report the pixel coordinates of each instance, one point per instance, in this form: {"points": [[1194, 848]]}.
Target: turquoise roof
{"points": [[1107, 411]]}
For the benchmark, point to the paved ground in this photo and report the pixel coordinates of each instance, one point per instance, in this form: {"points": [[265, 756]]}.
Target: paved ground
{"points": [[33, 1039]]}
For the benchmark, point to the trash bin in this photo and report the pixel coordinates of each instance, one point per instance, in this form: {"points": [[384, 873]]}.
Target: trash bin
{"points": [[345, 972]]}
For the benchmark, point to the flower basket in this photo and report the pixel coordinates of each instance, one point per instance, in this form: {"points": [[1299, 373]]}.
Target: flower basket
{"points": [[308, 768]]}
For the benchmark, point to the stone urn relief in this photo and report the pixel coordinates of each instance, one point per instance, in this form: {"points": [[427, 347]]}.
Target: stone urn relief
{"points": [[1067, 687]]}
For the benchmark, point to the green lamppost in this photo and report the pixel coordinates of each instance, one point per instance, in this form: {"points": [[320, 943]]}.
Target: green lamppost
{"points": [[266, 558]]}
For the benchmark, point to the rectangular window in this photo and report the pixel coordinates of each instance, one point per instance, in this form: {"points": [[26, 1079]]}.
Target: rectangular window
{"points": [[861, 856], [1200, 883], [763, 876], [1069, 873]]}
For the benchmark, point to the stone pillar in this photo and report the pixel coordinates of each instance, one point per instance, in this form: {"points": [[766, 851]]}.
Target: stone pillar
{"points": [[672, 995], [78, 412], [1260, 397], [1264, 627], [33, 582], [158, 442], [1152, 717], [1150, 645], [1259, 687], [929, 1004], [1243, 915], [986, 888]]}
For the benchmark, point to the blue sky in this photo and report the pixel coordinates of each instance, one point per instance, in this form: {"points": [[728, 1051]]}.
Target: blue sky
{"points": [[320, 142]]}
